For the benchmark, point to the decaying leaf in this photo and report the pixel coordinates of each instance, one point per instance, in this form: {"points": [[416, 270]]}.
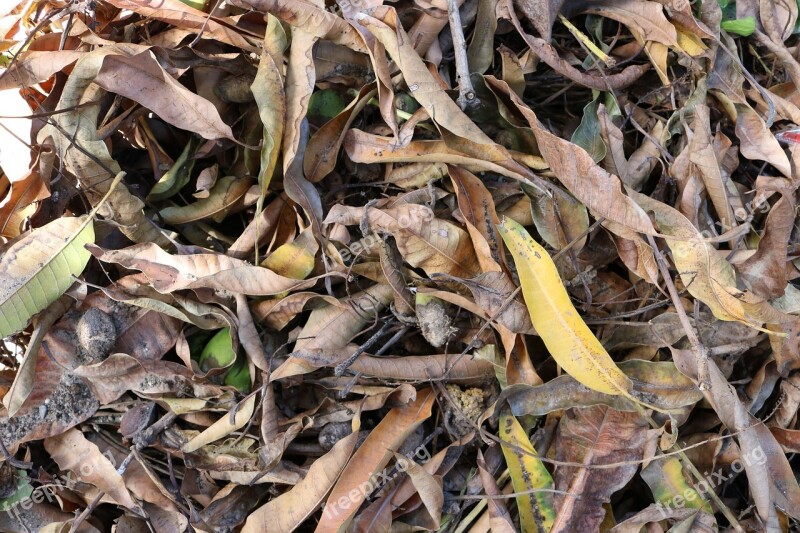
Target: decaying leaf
{"points": [[399, 266]]}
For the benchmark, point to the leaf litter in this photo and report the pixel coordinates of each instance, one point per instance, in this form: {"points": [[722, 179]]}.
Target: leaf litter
{"points": [[387, 266]]}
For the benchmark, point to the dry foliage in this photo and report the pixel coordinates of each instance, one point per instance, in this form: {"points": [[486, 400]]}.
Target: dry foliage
{"points": [[448, 265]]}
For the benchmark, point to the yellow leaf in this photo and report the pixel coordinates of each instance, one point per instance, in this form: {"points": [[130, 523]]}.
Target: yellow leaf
{"points": [[690, 43], [530, 478], [567, 337], [294, 259]]}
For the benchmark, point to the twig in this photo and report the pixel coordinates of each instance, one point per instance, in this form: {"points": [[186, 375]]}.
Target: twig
{"points": [[466, 92], [587, 43], [701, 352], [342, 367]]}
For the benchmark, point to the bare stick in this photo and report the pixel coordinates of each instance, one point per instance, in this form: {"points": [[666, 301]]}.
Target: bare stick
{"points": [[700, 351], [466, 92]]}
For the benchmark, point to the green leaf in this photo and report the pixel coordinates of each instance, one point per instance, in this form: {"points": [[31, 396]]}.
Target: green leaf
{"points": [[743, 27], [22, 492], [239, 375], [670, 488], [589, 135], [178, 175], [37, 268], [219, 352]]}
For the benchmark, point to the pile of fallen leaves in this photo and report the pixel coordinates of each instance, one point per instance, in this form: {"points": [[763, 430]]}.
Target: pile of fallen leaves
{"points": [[508, 265]]}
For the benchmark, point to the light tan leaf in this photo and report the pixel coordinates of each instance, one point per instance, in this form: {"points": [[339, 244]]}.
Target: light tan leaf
{"points": [[757, 142], [223, 427], [72, 451], [32, 67], [168, 272], [424, 241], [142, 79], [93, 165], [705, 273], [383, 24], [286, 512]]}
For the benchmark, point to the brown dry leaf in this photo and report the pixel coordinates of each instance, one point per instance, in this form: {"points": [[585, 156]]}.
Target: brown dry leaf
{"points": [[120, 373], [778, 18], [594, 436], [261, 229], [92, 164], [455, 368], [392, 267], [370, 458], [286, 512], [435, 245], [168, 273], [477, 208], [222, 199], [542, 14], [699, 159], [492, 292], [757, 142], [689, 518], [25, 378], [186, 17], [363, 147], [643, 17], [765, 271], [500, 518], [72, 451], [595, 188], [310, 17], [323, 146], [383, 24], [772, 482], [142, 79], [657, 383], [18, 204], [334, 326]]}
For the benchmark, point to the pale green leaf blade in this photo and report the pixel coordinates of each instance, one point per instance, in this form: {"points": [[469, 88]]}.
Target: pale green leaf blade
{"points": [[38, 268]]}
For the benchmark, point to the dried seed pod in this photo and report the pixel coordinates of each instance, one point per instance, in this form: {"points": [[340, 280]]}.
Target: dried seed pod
{"points": [[96, 333]]}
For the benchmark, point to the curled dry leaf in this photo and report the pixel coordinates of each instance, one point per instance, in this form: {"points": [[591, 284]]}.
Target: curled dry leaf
{"points": [[435, 245], [168, 273], [72, 451], [142, 79]]}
